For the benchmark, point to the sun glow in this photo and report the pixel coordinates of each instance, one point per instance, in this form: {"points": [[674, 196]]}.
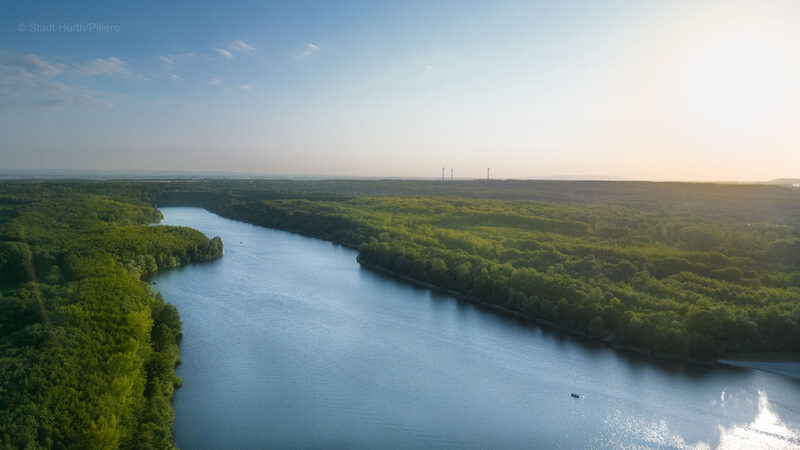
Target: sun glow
{"points": [[719, 97], [741, 80]]}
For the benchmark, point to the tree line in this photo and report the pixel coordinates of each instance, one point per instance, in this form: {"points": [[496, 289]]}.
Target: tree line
{"points": [[676, 284]]}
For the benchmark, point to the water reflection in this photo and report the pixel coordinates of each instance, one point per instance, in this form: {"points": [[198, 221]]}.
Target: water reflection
{"points": [[767, 430]]}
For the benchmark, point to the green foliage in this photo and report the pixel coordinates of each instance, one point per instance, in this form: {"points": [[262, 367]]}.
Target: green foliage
{"points": [[685, 285], [87, 349], [15, 262], [596, 328]]}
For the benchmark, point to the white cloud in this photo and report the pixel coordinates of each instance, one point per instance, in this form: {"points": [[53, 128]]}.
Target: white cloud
{"points": [[174, 77], [246, 87], [175, 58], [214, 81], [32, 81], [227, 51], [308, 50], [31, 63], [235, 46], [103, 66], [240, 46], [225, 54], [16, 82], [22, 88], [38, 64]]}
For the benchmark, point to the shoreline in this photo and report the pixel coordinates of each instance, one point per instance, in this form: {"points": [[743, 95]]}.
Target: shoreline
{"points": [[745, 363], [789, 369], [524, 317]]}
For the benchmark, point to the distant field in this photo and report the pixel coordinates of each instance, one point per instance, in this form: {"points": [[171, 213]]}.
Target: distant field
{"points": [[739, 202]]}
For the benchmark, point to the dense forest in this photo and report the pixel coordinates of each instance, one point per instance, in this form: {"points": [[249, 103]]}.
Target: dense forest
{"points": [[677, 285], [727, 202], [87, 348]]}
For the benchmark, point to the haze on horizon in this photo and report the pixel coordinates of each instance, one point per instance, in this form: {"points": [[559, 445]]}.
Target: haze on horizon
{"points": [[642, 90]]}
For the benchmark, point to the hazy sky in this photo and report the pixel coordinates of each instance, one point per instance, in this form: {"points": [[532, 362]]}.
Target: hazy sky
{"points": [[695, 90]]}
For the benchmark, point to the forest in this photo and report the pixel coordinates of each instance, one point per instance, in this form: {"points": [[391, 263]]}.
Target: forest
{"points": [[87, 347], [686, 270], [655, 282]]}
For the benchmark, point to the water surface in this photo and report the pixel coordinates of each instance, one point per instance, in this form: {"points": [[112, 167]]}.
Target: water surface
{"points": [[288, 342]]}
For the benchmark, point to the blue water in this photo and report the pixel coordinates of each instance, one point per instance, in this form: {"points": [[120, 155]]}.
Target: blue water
{"points": [[288, 342]]}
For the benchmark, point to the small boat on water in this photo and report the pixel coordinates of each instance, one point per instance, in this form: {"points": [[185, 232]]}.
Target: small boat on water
{"points": [[574, 395]]}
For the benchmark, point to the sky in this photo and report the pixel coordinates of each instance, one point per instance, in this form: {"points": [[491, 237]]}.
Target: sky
{"points": [[702, 91]]}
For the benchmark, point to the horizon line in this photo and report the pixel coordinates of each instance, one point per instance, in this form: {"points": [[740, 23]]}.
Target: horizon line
{"points": [[111, 174]]}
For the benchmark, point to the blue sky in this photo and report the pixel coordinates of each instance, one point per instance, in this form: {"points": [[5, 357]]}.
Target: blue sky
{"points": [[641, 90]]}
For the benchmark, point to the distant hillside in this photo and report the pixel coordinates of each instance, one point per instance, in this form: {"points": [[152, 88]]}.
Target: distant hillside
{"points": [[751, 203], [742, 202], [577, 178]]}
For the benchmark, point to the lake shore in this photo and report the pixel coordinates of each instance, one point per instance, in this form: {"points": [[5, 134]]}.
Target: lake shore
{"points": [[747, 361], [777, 363], [522, 316], [787, 364]]}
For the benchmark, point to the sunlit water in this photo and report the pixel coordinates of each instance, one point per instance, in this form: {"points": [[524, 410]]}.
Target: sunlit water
{"points": [[288, 342]]}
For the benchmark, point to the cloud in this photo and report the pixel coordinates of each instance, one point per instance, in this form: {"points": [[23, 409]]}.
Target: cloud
{"points": [[235, 46], [23, 89], [16, 82], [240, 46], [216, 81], [103, 66], [246, 87], [32, 81], [36, 65], [227, 51], [225, 54], [31, 63], [308, 51], [175, 58], [174, 77]]}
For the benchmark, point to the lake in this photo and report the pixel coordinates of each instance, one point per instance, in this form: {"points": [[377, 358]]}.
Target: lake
{"points": [[289, 342]]}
